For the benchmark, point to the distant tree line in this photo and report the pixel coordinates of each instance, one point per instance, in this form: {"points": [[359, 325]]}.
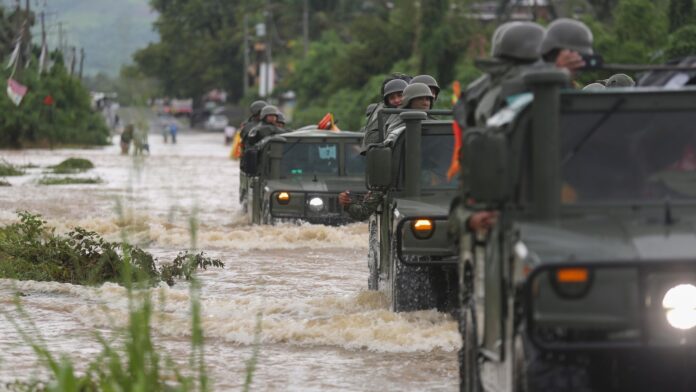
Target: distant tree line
{"points": [[354, 44]]}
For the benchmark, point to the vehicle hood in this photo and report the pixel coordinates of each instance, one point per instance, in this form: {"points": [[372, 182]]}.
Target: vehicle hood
{"points": [[332, 185], [610, 239], [436, 204]]}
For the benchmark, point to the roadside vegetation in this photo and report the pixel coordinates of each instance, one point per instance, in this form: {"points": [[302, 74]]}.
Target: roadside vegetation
{"points": [[30, 250], [73, 165], [69, 180], [7, 169]]}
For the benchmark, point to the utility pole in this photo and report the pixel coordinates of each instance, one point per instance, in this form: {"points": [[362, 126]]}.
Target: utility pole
{"points": [[82, 61], [72, 61], [246, 54], [269, 52], [60, 38], [305, 27]]}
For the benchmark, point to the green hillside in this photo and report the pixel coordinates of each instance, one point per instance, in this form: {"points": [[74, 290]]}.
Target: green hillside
{"points": [[110, 31]]}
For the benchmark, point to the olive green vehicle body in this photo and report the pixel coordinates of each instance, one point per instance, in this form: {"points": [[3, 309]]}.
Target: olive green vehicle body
{"points": [[415, 271], [271, 178], [605, 329]]}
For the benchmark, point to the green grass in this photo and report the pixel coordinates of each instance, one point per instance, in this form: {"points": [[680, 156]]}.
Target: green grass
{"points": [[73, 165], [8, 169], [69, 180]]}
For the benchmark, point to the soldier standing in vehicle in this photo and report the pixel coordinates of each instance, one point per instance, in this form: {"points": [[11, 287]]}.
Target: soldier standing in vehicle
{"points": [[515, 48], [267, 127], [392, 98], [253, 120], [565, 43], [428, 81]]}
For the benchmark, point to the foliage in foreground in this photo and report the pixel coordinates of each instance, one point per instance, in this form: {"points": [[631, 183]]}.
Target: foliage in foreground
{"points": [[29, 250], [8, 169], [73, 165]]}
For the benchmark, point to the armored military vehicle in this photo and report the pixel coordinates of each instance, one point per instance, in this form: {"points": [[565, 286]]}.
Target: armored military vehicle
{"points": [[410, 257], [588, 281], [298, 175]]}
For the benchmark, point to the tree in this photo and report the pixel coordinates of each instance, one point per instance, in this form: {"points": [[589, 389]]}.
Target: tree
{"points": [[682, 43], [680, 13]]}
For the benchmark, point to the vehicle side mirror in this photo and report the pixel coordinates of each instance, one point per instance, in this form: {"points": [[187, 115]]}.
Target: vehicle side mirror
{"points": [[378, 168], [486, 155]]}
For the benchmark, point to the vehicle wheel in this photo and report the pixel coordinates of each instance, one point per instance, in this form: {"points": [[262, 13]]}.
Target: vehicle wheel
{"points": [[373, 256], [469, 376], [411, 286], [533, 371]]}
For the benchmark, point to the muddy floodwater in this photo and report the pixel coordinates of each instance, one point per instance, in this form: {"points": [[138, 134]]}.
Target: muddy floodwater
{"points": [[321, 329]]}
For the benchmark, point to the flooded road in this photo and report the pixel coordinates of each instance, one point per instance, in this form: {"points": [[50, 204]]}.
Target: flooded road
{"points": [[321, 329]]}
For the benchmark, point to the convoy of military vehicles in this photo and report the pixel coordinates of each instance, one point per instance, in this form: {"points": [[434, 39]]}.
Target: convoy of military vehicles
{"points": [[587, 279]]}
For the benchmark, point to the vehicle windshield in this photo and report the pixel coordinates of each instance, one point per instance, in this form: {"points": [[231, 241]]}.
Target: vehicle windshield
{"points": [[308, 159], [355, 163], [638, 156], [436, 154]]}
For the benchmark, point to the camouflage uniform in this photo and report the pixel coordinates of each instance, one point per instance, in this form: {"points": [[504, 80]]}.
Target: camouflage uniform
{"points": [[264, 129], [371, 128], [362, 209]]}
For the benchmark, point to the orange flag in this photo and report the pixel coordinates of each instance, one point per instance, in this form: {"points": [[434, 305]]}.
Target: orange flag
{"points": [[454, 165], [456, 91], [328, 123]]}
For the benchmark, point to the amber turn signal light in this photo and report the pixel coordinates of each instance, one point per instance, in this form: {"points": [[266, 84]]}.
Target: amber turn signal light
{"points": [[572, 275], [423, 228], [283, 198]]}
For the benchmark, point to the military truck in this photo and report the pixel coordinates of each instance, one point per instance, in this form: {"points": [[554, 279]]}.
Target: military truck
{"points": [[588, 280], [298, 175], [410, 257]]}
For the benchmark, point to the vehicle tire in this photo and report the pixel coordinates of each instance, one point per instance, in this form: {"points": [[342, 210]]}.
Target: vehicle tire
{"points": [[373, 256], [536, 372], [411, 286], [469, 375]]}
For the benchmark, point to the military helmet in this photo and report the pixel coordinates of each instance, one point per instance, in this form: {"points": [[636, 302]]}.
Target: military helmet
{"points": [[594, 87], [394, 86], [519, 41], [619, 80], [427, 80], [416, 90], [495, 39], [567, 33], [269, 110], [256, 107], [281, 118]]}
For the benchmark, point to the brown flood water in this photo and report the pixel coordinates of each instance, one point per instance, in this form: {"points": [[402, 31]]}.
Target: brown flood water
{"points": [[321, 329]]}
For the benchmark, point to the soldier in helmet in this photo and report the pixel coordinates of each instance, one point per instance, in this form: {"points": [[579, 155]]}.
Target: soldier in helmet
{"points": [[514, 50], [416, 96], [391, 98], [267, 127], [564, 44], [253, 120], [428, 81]]}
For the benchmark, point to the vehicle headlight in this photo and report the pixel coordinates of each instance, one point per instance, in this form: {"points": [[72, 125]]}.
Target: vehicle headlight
{"points": [[316, 204], [680, 303], [283, 198], [423, 228]]}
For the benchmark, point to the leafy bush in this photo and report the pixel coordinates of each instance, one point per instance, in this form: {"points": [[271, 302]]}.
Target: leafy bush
{"points": [[8, 169], [682, 42], [73, 165], [31, 251]]}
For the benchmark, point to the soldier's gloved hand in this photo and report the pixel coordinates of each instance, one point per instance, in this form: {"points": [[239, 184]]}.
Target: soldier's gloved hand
{"points": [[570, 60], [482, 221], [344, 199]]}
